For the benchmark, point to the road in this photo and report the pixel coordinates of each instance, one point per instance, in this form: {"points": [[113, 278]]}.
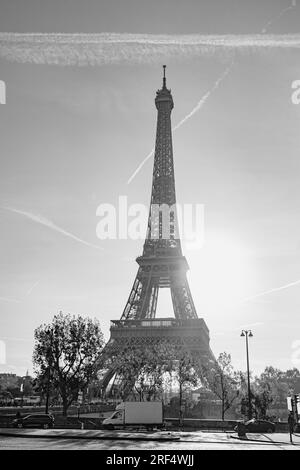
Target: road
{"points": [[188, 441]]}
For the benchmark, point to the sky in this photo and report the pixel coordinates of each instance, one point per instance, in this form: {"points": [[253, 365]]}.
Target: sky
{"points": [[73, 135]]}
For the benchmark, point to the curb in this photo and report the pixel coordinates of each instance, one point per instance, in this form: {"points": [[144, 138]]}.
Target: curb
{"points": [[261, 441]]}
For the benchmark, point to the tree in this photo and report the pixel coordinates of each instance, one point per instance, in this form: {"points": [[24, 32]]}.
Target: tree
{"points": [[184, 369], [223, 381], [140, 370], [14, 391], [144, 370], [27, 385], [262, 400], [269, 391], [292, 378], [5, 397], [45, 385], [68, 349]]}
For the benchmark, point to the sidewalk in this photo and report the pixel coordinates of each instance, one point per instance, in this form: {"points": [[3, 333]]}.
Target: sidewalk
{"points": [[89, 434], [276, 438]]}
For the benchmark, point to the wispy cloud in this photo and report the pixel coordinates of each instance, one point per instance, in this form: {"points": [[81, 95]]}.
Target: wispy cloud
{"points": [[113, 48], [48, 223]]}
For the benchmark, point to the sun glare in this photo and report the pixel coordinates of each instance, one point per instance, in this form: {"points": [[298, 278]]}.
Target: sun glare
{"points": [[220, 272]]}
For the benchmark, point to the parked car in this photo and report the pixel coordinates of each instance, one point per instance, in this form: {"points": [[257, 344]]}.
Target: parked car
{"points": [[37, 420], [258, 425]]}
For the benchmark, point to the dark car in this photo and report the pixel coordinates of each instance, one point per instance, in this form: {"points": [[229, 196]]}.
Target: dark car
{"points": [[258, 425], [44, 421]]}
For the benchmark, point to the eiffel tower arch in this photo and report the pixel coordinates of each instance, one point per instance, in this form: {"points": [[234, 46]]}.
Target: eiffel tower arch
{"points": [[161, 265]]}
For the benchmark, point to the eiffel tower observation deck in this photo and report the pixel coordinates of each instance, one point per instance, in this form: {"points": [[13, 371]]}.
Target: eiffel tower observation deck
{"points": [[161, 266]]}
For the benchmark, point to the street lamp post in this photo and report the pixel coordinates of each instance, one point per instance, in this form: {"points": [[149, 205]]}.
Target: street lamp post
{"points": [[246, 334]]}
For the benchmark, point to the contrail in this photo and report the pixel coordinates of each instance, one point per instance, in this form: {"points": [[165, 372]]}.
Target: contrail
{"points": [[114, 48], [31, 288], [208, 93], [270, 291], [196, 108], [48, 223], [141, 166], [241, 327], [7, 299], [205, 97], [250, 325], [277, 18], [13, 338]]}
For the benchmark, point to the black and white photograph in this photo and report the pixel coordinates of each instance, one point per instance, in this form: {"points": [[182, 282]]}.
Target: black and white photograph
{"points": [[149, 228]]}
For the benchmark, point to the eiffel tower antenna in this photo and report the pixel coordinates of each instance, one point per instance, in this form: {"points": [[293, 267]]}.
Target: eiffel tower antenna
{"points": [[161, 265], [164, 77]]}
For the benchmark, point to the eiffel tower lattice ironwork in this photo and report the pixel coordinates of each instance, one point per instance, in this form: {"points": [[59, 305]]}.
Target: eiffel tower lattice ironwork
{"points": [[162, 265]]}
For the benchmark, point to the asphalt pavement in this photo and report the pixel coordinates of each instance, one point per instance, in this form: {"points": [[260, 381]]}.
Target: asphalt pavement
{"points": [[120, 440]]}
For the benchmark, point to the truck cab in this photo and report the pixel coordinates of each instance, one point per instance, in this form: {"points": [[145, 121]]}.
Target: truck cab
{"points": [[117, 418]]}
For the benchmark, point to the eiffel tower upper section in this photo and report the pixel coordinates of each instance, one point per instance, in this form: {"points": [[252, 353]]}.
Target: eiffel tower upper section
{"points": [[163, 184], [162, 264]]}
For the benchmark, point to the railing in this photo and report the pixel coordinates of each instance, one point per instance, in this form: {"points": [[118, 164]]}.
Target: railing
{"points": [[158, 323]]}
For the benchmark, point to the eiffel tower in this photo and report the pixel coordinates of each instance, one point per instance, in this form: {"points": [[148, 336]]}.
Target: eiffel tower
{"points": [[162, 265]]}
